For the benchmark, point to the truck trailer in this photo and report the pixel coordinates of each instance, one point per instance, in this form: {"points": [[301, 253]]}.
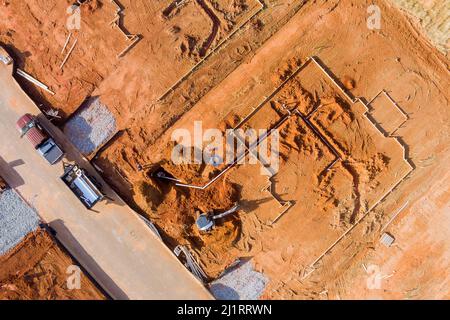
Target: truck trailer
{"points": [[82, 185]]}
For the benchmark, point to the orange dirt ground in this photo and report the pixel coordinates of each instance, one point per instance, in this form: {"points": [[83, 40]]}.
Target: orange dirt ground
{"points": [[225, 87], [36, 270]]}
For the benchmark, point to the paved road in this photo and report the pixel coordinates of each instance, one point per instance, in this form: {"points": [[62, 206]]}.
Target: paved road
{"points": [[114, 245]]}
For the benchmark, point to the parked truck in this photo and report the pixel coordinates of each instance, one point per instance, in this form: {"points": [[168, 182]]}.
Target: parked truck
{"points": [[85, 187], [29, 126]]}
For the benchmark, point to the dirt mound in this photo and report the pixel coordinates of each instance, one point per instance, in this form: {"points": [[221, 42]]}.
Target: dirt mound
{"points": [[92, 5], [348, 82], [36, 269], [286, 70], [175, 210], [296, 138]]}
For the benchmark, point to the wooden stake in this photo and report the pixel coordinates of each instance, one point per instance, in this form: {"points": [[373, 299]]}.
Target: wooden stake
{"points": [[66, 43], [68, 54]]}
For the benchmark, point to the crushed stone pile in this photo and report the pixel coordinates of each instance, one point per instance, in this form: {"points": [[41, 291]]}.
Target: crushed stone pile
{"points": [[241, 283], [91, 127], [17, 219]]}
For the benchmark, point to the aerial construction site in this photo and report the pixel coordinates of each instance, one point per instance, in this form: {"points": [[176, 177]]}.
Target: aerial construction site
{"points": [[342, 193]]}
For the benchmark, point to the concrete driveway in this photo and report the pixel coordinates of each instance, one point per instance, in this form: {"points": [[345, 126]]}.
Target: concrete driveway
{"points": [[123, 255]]}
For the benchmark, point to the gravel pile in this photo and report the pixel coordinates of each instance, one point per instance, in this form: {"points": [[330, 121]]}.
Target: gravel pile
{"points": [[91, 127], [241, 283], [17, 219]]}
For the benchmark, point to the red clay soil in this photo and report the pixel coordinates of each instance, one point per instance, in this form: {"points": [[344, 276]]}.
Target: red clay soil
{"points": [[174, 209], [224, 89], [344, 194], [34, 33], [36, 270]]}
